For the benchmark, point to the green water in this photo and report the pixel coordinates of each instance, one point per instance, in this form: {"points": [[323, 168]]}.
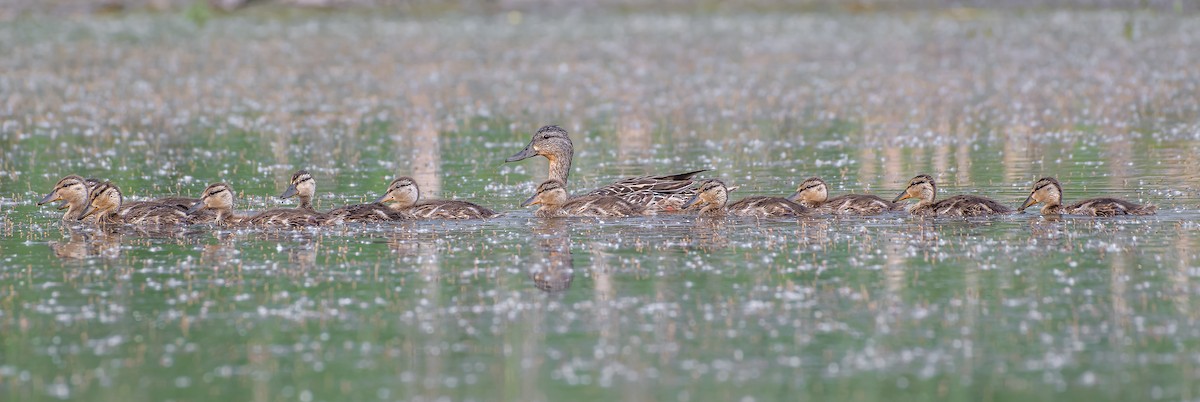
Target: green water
{"points": [[668, 307]]}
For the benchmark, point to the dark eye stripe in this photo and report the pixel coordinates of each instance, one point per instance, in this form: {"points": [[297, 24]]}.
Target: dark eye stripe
{"points": [[811, 186]]}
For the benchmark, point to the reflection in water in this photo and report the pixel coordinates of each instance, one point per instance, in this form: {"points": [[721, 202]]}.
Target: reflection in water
{"points": [[554, 269], [84, 244], [709, 233]]}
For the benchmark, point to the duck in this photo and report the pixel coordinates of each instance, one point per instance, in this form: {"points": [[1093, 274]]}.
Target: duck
{"points": [[814, 193], [304, 187], [553, 202], [218, 197], [72, 190], [923, 188], [713, 195], [1048, 191], [405, 197], [665, 193], [106, 202]]}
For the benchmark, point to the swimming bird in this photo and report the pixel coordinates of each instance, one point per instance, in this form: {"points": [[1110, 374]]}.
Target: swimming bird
{"points": [[219, 197], [924, 189], [1048, 191], [713, 195], [405, 197], [814, 193], [106, 202], [666, 193], [304, 187], [553, 201]]}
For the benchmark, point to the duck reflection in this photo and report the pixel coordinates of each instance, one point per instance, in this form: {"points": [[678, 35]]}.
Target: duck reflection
{"points": [[553, 269], [83, 244]]}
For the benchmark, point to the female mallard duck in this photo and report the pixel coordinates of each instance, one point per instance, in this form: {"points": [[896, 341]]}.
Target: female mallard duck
{"points": [[406, 198], [218, 197], [924, 189], [1048, 191], [814, 193], [713, 196], [304, 187], [653, 192], [553, 200], [105, 201], [73, 191]]}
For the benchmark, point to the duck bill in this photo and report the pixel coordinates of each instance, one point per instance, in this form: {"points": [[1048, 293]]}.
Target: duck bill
{"points": [[903, 196], [383, 198], [531, 201], [87, 211], [526, 153], [49, 198], [691, 201], [795, 196], [289, 193], [1028, 202], [196, 207], [63, 205]]}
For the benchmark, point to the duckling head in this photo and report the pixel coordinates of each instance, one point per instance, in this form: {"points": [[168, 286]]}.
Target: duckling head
{"points": [[72, 189], [103, 201], [403, 191], [1046, 190], [303, 186], [810, 193], [712, 194], [921, 187], [550, 193], [217, 197]]}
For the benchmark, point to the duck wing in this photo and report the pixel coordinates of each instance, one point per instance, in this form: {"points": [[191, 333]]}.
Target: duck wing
{"points": [[1108, 207], [449, 209], [766, 207], [859, 204], [654, 192], [969, 205]]}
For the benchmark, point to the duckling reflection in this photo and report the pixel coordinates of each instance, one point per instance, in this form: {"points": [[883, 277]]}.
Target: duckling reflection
{"points": [[83, 244], [554, 269]]}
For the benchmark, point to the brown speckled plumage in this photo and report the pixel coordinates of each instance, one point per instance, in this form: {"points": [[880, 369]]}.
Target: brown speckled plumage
{"points": [[924, 189], [663, 193], [814, 193], [405, 198], [1048, 191], [554, 202], [713, 196]]}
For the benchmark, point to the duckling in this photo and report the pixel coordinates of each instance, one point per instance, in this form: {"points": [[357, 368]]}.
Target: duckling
{"points": [[814, 193], [924, 189], [665, 193], [304, 187], [73, 191], [1048, 191], [406, 198], [714, 194], [105, 201], [219, 197], [553, 200]]}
